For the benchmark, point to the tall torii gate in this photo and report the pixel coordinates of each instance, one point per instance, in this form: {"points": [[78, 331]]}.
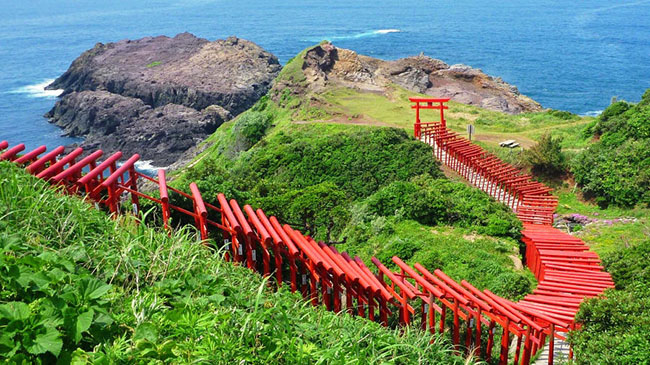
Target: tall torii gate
{"points": [[428, 103]]}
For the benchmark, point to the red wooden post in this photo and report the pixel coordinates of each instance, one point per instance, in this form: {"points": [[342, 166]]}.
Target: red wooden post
{"points": [[505, 341], [112, 198], [164, 197], [417, 130], [456, 326], [525, 359], [551, 344], [442, 114], [133, 184], [490, 342], [201, 213], [518, 350], [443, 316], [432, 315], [478, 331]]}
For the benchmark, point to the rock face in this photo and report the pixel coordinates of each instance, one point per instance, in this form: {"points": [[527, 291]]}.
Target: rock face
{"points": [[327, 64], [159, 96], [113, 122]]}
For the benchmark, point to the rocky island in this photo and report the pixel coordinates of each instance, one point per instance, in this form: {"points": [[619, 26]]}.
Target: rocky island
{"points": [[159, 96]]}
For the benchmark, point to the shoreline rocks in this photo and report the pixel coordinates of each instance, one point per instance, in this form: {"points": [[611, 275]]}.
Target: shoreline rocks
{"points": [[159, 96]]}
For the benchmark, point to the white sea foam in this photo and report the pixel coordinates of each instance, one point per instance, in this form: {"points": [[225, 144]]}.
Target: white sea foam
{"points": [[38, 90], [356, 35], [147, 167], [386, 31], [593, 113]]}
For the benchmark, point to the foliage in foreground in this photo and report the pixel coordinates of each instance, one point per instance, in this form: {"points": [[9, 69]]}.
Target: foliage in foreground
{"points": [[87, 288], [616, 168], [615, 327]]}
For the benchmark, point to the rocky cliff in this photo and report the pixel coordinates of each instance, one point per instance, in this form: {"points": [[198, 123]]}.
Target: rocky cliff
{"points": [[326, 65], [159, 96]]}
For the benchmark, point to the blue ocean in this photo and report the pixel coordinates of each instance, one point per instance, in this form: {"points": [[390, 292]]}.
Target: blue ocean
{"points": [[569, 55]]}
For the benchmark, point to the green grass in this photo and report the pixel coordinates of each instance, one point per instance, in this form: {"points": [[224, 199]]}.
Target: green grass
{"points": [[172, 300], [154, 64], [393, 108]]}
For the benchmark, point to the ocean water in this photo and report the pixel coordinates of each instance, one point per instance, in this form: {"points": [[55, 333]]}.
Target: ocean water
{"points": [[565, 54]]}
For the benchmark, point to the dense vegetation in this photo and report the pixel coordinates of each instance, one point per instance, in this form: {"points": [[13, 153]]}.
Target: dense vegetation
{"points": [[79, 286], [615, 328], [616, 168]]}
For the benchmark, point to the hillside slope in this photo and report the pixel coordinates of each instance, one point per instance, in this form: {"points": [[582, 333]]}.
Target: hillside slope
{"points": [[80, 286]]}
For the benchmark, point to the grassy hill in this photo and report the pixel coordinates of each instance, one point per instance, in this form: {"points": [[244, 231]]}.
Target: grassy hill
{"points": [[77, 285]]}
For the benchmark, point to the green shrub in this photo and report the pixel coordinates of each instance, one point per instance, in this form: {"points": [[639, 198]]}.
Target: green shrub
{"points": [[249, 129], [562, 114], [359, 161], [614, 170], [615, 175], [318, 210], [440, 201], [546, 157]]}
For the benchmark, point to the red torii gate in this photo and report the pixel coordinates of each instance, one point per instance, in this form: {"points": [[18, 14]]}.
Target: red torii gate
{"points": [[428, 103]]}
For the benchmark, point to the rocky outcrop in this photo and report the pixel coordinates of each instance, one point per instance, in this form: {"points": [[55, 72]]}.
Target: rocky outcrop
{"points": [[112, 122], [159, 96], [326, 64]]}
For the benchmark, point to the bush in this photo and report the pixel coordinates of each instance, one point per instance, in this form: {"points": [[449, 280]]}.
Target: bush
{"points": [[440, 201], [615, 175], [318, 210], [249, 129], [562, 114], [359, 162], [546, 157], [615, 169]]}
